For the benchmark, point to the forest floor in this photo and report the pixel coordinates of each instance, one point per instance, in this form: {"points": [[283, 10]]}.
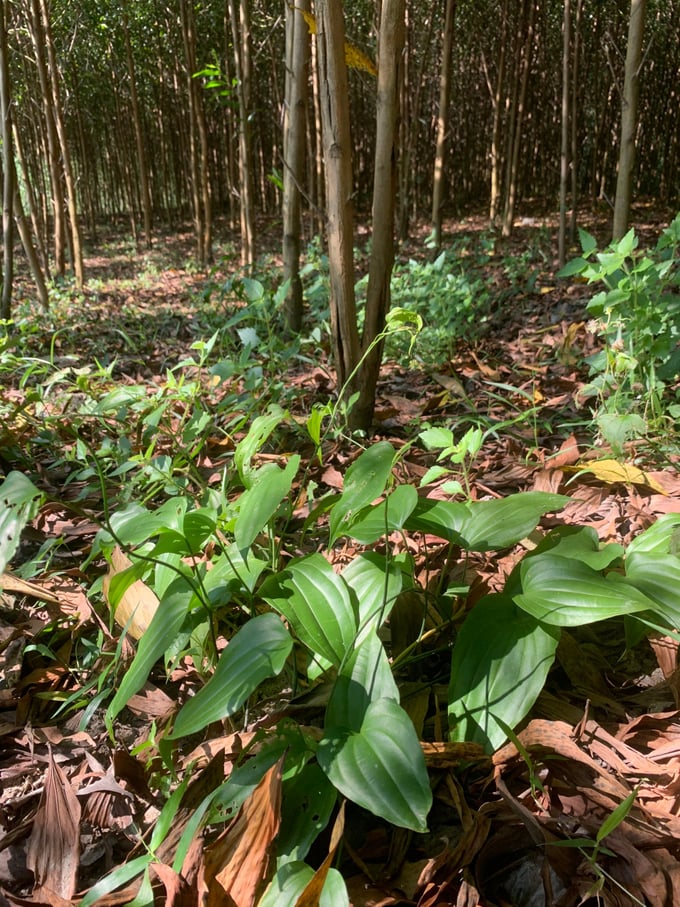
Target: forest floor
{"points": [[607, 722]]}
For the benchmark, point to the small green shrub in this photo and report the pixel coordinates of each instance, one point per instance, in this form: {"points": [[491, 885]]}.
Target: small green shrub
{"points": [[637, 315]]}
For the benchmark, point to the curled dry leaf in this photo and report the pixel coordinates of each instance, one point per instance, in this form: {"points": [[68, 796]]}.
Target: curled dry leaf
{"points": [[53, 849], [138, 603], [237, 863]]}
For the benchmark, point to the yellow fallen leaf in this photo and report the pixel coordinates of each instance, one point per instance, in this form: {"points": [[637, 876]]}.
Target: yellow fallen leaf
{"points": [[354, 58], [611, 472], [138, 603]]}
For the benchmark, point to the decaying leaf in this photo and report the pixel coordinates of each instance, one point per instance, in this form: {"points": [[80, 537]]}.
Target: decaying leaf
{"points": [[53, 849], [237, 863], [312, 892], [611, 472], [354, 58], [138, 603]]}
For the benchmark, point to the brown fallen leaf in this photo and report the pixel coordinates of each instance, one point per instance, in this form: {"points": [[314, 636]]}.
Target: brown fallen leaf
{"points": [[612, 472], [53, 849], [311, 894], [237, 862], [138, 603]]}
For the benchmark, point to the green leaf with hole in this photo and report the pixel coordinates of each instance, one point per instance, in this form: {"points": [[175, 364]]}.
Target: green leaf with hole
{"points": [[381, 766], [365, 481], [567, 593], [499, 664], [317, 604], [257, 651]]}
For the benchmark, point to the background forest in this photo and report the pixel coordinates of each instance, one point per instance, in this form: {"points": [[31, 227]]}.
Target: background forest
{"points": [[339, 501]]}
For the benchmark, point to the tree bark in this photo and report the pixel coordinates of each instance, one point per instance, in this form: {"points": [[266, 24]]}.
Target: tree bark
{"points": [[50, 139], [390, 48], [629, 108], [294, 142], [337, 154], [564, 153], [442, 123], [69, 181], [8, 173], [142, 165], [240, 27], [517, 120]]}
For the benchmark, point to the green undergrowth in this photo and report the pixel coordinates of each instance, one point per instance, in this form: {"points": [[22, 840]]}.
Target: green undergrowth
{"points": [[206, 486]]}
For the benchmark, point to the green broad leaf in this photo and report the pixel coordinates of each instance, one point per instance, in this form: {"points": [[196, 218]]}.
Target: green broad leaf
{"points": [[307, 804], [257, 505], [388, 516], [398, 319], [575, 266], [258, 650], [19, 502], [376, 582], [260, 429], [499, 665], [134, 524], [588, 242], [436, 438], [658, 577], [440, 518], [317, 604], [365, 677], [485, 525], [566, 593], [365, 481], [381, 767], [583, 545], [493, 525], [292, 878], [159, 636], [662, 537], [627, 243]]}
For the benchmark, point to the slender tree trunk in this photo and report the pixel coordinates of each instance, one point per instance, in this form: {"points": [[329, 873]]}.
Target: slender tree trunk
{"points": [[50, 140], [564, 153], [516, 144], [71, 201], [629, 108], [337, 154], [36, 225], [442, 123], [390, 49], [198, 142], [294, 141], [142, 166], [239, 15], [495, 192], [8, 182], [575, 80]]}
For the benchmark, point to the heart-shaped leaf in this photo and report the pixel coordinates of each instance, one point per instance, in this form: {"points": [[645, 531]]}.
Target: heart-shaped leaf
{"points": [[388, 516], [381, 767], [376, 582]]}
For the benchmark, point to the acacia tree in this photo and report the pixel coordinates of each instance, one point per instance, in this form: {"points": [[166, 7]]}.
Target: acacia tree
{"points": [[294, 142], [357, 359], [442, 123], [8, 171], [239, 17], [629, 111]]}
